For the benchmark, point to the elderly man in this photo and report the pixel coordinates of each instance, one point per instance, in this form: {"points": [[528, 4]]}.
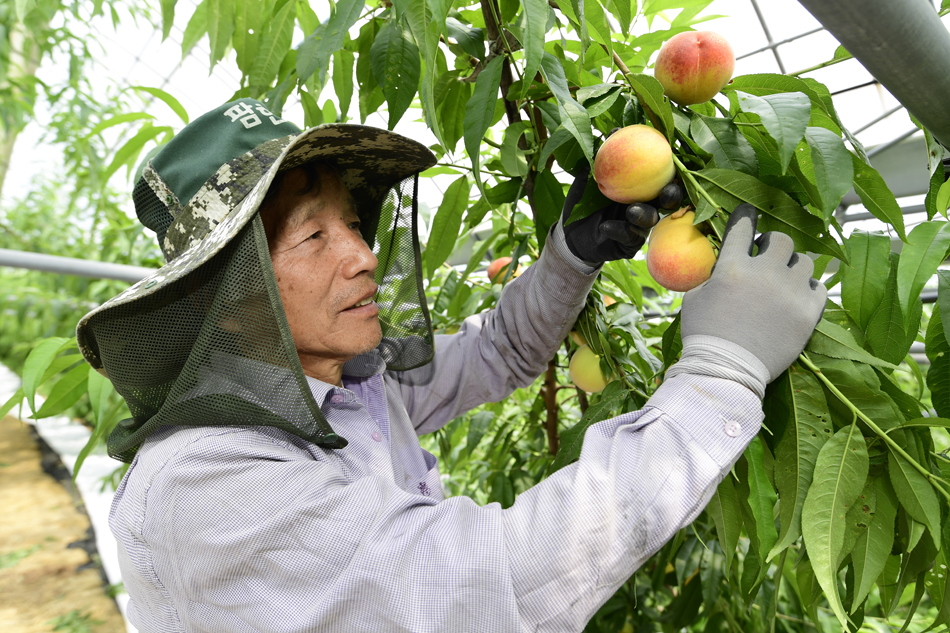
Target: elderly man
{"points": [[281, 366]]}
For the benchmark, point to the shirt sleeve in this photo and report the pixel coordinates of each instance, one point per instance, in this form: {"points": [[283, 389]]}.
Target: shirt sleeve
{"points": [[253, 535], [503, 349]]}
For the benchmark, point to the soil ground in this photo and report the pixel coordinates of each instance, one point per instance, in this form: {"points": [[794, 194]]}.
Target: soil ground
{"points": [[48, 580]]}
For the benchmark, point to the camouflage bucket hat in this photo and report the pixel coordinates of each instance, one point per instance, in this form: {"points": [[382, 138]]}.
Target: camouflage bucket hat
{"points": [[206, 184]]}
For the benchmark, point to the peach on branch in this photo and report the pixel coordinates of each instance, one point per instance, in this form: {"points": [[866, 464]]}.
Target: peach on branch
{"points": [[692, 67], [679, 256], [585, 370], [634, 164], [499, 268]]}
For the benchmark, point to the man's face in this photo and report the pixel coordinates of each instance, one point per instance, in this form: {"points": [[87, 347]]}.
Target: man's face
{"points": [[324, 271]]}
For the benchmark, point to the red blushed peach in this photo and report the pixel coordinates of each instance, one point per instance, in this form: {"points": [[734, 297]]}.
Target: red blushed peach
{"points": [[499, 268], [679, 256], [634, 164], [692, 67]]}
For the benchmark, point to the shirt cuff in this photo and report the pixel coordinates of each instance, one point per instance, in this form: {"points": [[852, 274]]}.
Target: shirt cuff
{"points": [[718, 358], [556, 237], [721, 415]]}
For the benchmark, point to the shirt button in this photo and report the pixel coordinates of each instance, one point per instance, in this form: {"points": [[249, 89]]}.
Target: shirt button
{"points": [[733, 429], [376, 436], [336, 398]]}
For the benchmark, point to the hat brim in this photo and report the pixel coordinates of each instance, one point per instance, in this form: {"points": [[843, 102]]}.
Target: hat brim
{"points": [[370, 162]]}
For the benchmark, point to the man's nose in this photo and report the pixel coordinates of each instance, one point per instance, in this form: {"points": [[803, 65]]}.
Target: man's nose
{"points": [[357, 256]]}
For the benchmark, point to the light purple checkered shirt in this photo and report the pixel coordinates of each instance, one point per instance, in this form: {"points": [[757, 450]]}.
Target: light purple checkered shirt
{"points": [[253, 529]]}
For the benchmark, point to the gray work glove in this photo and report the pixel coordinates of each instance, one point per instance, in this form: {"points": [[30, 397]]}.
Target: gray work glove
{"points": [[754, 315]]}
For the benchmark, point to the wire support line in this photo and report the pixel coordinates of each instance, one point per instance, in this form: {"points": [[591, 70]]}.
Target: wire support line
{"points": [[768, 35], [774, 45], [877, 120], [892, 143], [873, 82]]}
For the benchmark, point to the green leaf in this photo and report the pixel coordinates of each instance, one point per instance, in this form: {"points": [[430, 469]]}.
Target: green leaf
{"points": [[536, 13], [885, 331], [915, 493], [926, 248], [761, 502], [650, 93], [343, 63], [943, 298], [273, 47], [877, 197], [167, 99], [168, 17], [834, 172], [938, 352], [722, 139], [118, 119], [673, 344], [446, 225], [840, 474], [558, 138], [785, 117], [725, 511], [806, 429], [481, 421], [863, 279], [247, 32], [65, 393], [938, 176], [24, 8], [396, 66], [100, 388], [102, 430], [37, 363], [479, 112], [572, 440], [768, 84], [943, 198], [873, 547], [14, 400], [471, 40], [779, 212], [833, 340], [573, 115], [548, 202], [129, 153], [197, 26], [220, 28], [513, 160], [316, 50]]}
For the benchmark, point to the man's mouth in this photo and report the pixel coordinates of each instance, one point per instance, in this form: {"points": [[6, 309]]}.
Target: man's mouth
{"points": [[362, 303]]}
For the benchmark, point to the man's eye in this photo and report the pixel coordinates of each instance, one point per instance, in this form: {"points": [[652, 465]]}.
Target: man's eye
{"points": [[355, 225], [315, 235]]}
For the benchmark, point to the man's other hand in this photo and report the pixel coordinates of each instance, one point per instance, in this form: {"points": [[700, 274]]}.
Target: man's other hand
{"points": [[768, 304]]}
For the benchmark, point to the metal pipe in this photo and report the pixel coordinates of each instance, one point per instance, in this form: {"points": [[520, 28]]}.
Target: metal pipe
{"points": [[73, 266], [904, 45], [844, 218]]}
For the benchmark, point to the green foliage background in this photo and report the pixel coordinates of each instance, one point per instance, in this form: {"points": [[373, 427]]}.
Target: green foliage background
{"points": [[837, 515]]}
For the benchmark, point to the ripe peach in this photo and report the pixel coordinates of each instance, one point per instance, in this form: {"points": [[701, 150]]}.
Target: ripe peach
{"points": [[679, 256], [634, 164], [585, 370], [499, 268], [692, 67]]}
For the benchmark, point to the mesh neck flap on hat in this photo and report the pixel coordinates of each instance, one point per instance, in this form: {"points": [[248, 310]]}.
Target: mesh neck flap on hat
{"points": [[211, 348]]}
